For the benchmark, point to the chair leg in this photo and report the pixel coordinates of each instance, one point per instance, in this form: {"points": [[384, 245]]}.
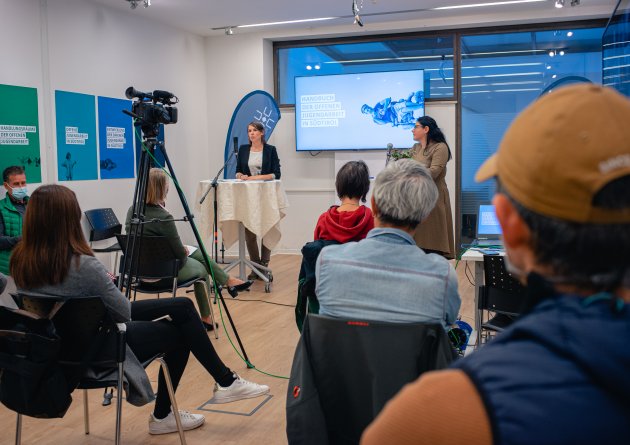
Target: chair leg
{"points": [[171, 395], [216, 330], [86, 412], [119, 397], [18, 430]]}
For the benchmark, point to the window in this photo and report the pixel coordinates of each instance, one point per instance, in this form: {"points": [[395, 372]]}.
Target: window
{"points": [[433, 54], [500, 75]]}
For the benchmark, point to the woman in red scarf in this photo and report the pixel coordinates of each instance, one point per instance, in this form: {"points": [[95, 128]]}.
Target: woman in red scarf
{"points": [[349, 221]]}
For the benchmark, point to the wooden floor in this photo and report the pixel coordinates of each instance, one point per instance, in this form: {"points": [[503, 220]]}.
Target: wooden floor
{"points": [[269, 334]]}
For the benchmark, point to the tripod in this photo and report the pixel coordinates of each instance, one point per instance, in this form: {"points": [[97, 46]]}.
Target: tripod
{"points": [[151, 144]]}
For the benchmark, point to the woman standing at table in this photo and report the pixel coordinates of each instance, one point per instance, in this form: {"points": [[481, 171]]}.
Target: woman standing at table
{"points": [[435, 234], [257, 161]]}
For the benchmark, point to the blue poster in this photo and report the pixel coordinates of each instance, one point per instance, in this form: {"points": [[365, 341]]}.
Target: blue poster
{"points": [[76, 136], [115, 138]]}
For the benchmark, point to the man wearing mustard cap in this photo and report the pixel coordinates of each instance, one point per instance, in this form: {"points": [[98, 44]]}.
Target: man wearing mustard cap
{"points": [[561, 373]]}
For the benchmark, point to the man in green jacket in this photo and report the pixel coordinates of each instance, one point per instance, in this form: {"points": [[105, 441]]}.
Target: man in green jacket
{"points": [[12, 209]]}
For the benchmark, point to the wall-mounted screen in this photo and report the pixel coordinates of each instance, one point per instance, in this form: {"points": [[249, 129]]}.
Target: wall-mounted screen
{"points": [[364, 111]]}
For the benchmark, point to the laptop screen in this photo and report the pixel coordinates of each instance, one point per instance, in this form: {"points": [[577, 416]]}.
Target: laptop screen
{"points": [[487, 223]]}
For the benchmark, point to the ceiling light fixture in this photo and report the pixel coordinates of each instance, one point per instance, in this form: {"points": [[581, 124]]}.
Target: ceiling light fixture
{"points": [[480, 5], [559, 3], [133, 4], [229, 31], [355, 12], [288, 22]]}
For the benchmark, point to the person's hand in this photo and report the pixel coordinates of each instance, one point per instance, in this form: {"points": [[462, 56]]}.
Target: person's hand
{"points": [[187, 251], [244, 177]]}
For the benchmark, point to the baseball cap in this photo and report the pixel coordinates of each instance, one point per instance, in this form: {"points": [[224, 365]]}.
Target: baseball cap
{"points": [[562, 149]]}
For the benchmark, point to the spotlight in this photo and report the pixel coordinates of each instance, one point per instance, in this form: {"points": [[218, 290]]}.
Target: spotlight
{"points": [[147, 3], [133, 4], [561, 52], [308, 67], [229, 31], [552, 53], [575, 2], [559, 3], [355, 12], [554, 76], [317, 67], [570, 34]]}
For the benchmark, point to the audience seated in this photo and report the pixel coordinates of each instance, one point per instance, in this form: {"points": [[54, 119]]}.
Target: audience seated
{"points": [[193, 266], [559, 374], [58, 261], [349, 221], [386, 277]]}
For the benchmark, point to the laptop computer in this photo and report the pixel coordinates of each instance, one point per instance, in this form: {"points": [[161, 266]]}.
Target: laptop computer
{"points": [[488, 228]]}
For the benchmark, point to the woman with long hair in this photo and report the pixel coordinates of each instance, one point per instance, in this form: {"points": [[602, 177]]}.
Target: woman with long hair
{"points": [[257, 160], [193, 266], [435, 234], [54, 258]]}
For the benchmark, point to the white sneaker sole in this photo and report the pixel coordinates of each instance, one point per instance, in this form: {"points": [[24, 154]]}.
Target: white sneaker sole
{"points": [[184, 427], [238, 397]]}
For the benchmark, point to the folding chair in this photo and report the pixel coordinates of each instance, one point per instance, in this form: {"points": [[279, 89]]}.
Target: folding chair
{"points": [[500, 298], [79, 323], [104, 225]]}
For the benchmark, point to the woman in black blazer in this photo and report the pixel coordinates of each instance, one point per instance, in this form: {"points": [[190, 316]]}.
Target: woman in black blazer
{"points": [[257, 161]]}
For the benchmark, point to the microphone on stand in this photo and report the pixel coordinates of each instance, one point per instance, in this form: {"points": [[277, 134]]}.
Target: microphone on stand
{"points": [[235, 140], [390, 147]]}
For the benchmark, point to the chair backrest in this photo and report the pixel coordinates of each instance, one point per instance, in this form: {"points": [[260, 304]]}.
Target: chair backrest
{"points": [[501, 291], [103, 224], [153, 257], [77, 320], [354, 368]]}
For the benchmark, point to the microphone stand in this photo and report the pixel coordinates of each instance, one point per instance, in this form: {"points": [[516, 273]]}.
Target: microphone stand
{"points": [[215, 223]]}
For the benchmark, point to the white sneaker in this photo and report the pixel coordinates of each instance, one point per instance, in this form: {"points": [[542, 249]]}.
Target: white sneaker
{"points": [[239, 390], [168, 424]]}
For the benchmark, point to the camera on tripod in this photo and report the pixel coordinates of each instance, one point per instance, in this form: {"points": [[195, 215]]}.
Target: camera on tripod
{"points": [[152, 109]]}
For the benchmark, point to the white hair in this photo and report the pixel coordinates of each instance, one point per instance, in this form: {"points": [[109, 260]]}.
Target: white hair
{"points": [[404, 193]]}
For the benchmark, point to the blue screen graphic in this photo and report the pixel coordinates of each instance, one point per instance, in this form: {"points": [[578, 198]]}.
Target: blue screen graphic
{"points": [[487, 222], [358, 111]]}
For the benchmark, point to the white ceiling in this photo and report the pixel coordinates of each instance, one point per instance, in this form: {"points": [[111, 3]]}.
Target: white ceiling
{"points": [[200, 16]]}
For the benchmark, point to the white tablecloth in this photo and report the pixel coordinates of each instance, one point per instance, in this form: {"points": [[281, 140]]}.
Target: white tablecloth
{"points": [[259, 205]]}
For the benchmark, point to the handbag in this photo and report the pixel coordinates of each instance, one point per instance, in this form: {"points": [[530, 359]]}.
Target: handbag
{"points": [[32, 382]]}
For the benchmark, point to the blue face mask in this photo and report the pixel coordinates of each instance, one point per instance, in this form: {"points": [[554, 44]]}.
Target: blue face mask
{"points": [[19, 193]]}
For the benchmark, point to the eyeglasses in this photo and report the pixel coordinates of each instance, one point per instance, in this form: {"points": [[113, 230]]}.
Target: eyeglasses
{"points": [[417, 126]]}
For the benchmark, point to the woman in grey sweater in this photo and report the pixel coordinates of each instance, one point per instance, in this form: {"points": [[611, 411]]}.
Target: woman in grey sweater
{"points": [[53, 258]]}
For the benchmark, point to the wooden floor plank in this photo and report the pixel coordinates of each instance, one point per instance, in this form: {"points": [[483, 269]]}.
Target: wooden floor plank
{"points": [[269, 334]]}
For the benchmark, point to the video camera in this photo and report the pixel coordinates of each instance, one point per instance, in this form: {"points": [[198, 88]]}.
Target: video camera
{"points": [[152, 109]]}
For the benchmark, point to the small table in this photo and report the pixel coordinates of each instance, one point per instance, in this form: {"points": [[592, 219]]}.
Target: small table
{"points": [[256, 205]]}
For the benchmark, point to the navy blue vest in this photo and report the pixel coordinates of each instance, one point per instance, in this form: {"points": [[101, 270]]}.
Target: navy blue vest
{"points": [[559, 375]]}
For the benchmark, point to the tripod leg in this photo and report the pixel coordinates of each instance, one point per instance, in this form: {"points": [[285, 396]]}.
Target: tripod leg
{"points": [[205, 255]]}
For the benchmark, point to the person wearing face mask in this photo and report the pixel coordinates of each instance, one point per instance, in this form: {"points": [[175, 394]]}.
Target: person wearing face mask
{"points": [[12, 209]]}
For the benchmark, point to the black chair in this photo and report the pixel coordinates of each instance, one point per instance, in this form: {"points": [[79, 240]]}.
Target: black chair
{"points": [[104, 225], [154, 268], [83, 323], [345, 371], [500, 298]]}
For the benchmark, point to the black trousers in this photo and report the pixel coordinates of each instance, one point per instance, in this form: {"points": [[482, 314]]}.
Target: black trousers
{"points": [[176, 338]]}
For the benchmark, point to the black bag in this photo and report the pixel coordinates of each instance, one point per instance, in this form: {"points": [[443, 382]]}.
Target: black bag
{"points": [[32, 381]]}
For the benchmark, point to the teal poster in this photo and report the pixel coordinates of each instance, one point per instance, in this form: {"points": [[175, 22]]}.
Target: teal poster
{"points": [[115, 137], [76, 136], [19, 130]]}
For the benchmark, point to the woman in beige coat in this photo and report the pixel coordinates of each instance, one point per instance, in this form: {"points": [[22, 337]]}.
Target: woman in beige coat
{"points": [[435, 234]]}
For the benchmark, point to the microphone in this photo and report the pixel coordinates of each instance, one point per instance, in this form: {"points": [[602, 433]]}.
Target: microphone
{"points": [[390, 147], [164, 96], [235, 140]]}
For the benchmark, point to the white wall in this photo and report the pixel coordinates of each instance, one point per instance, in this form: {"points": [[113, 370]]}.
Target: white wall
{"points": [[97, 50], [80, 46]]}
